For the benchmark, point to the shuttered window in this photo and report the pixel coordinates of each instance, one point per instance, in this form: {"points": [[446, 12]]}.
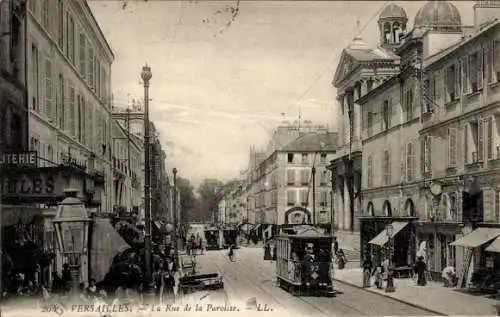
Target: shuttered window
{"points": [[497, 205], [49, 109], [83, 56], [488, 205], [428, 154], [304, 197], [369, 124], [480, 140], [72, 114], [62, 104], [480, 68], [489, 138], [369, 174], [457, 79], [90, 65], [290, 177], [410, 162], [452, 147], [465, 72], [386, 167], [290, 197], [304, 177]]}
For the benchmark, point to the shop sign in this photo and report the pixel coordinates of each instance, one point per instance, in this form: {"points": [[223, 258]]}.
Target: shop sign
{"points": [[21, 159], [31, 185]]}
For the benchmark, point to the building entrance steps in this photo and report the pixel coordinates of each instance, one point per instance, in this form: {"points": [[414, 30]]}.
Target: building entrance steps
{"points": [[433, 297]]}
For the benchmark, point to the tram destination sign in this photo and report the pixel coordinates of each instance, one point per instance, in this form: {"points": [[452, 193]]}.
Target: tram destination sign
{"points": [[21, 159]]}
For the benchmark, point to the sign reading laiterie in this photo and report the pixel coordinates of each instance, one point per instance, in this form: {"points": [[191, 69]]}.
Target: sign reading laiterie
{"points": [[22, 159]]}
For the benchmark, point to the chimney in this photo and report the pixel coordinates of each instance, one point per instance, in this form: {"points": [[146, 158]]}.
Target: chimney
{"points": [[485, 11]]}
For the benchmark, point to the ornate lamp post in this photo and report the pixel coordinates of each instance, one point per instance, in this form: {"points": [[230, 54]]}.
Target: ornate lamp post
{"points": [[71, 225], [176, 226], [390, 278], [148, 282]]}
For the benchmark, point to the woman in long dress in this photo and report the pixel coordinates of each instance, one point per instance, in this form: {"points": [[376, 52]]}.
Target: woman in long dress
{"points": [[420, 268]]}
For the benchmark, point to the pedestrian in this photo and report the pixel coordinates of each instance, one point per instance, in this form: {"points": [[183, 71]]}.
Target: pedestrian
{"points": [[367, 271], [341, 259], [168, 279], [335, 245], [420, 269]]}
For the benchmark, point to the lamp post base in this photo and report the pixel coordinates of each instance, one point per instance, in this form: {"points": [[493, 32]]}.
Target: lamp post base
{"points": [[390, 284]]}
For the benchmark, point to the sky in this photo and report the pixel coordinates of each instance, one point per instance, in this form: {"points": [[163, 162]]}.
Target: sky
{"points": [[217, 89]]}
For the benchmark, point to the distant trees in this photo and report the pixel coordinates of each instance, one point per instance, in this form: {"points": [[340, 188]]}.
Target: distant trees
{"points": [[189, 203]]}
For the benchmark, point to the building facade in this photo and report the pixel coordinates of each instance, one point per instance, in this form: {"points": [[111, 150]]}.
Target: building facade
{"points": [[429, 144], [361, 68], [128, 154], [13, 108], [284, 184], [69, 93]]}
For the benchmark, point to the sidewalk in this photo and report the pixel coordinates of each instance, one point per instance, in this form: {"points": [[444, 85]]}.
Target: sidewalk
{"points": [[433, 297]]}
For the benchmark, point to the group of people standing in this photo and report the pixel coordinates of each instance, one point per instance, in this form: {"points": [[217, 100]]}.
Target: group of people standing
{"points": [[379, 272]]}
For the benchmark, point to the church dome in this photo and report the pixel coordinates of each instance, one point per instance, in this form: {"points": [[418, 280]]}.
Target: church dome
{"points": [[438, 14], [393, 11]]}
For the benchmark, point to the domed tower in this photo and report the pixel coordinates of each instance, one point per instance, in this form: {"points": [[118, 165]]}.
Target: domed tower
{"points": [[392, 24], [439, 16]]}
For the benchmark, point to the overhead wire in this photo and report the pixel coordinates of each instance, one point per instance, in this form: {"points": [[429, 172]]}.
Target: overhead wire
{"points": [[337, 56], [310, 184]]}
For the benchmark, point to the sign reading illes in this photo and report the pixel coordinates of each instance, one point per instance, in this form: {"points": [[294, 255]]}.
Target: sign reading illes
{"points": [[22, 159]]}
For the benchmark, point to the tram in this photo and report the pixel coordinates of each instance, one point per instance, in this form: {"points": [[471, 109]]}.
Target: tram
{"points": [[213, 237], [304, 261]]}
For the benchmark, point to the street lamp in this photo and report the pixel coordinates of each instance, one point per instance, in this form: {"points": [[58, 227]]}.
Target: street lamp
{"points": [[390, 278], [71, 225], [148, 281], [176, 246]]}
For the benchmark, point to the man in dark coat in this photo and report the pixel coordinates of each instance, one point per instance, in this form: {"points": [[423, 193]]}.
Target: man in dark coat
{"points": [[420, 269]]}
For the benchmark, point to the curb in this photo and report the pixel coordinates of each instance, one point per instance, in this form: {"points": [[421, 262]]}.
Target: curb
{"points": [[394, 298]]}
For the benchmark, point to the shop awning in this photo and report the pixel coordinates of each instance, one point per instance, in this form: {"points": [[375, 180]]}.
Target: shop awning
{"points": [[477, 237], [382, 238], [106, 244], [494, 246], [257, 227]]}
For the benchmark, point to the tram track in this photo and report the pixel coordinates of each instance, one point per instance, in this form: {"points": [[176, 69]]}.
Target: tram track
{"points": [[350, 300], [309, 301]]}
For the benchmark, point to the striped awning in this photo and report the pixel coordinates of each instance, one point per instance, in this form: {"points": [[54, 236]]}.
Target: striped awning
{"points": [[106, 243], [477, 237], [382, 238]]}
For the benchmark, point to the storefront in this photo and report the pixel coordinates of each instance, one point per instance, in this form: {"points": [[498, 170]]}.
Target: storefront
{"points": [[433, 239], [374, 238], [482, 268]]}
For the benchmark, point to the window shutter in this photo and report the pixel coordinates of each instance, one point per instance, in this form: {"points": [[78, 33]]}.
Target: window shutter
{"points": [[464, 67], [422, 155], [480, 140], [480, 67], [453, 148], [489, 138], [445, 84], [457, 79], [488, 205], [448, 148], [487, 62], [466, 143]]}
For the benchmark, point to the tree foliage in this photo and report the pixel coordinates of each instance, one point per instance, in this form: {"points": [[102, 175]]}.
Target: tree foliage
{"points": [[189, 202]]}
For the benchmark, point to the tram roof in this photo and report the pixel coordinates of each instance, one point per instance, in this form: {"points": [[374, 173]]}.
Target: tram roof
{"points": [[304, 232]]}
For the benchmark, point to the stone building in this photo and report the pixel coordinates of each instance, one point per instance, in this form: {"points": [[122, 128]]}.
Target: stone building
{"points": [[13, 107], [284, 187], [429, 143], [69, 92], [361, 68]]}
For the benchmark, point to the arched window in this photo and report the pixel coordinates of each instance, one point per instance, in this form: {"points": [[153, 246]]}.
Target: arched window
{"points": [[410, 208], [387, 33], [396, 31], [370, 210], [387, 209]]}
